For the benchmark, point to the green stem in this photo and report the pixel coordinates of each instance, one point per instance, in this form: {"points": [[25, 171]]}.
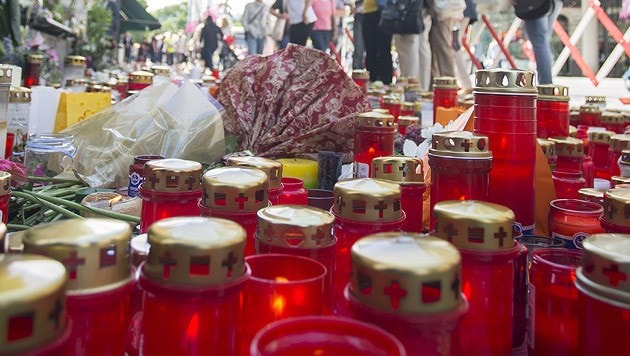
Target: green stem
{"points": [[53, 180], [17, 227], [49, 202]]}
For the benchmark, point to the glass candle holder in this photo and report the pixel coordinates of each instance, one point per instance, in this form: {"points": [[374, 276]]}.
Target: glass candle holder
{"points": [[33, 70], [552, 111], [235, 193], [5, 196], [74, 67], [320, 198], [512, 179], [392, 104], [139, 80], [615, 218], [570, 153], [460, 168], [590, 115], [553, 302], [574, 220], [362, 78], [293, 192], [374, 137], [272, 168], [604, 296], [613, 121], [136, 173], [405, 121], [48, 155], [618, 143], [409, 284], [33, 309], [444, 93], [549, 150], [408, 109], [18, 118], [100, 280], [193, 280], [281, 286], [328, 335], [483, 233], [599, 144], [567, 183], [592, 195]]}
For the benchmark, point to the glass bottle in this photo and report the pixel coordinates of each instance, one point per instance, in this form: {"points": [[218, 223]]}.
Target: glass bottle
{"points": [[574, 220], [552, 111], [616, 216], [374, 137], [272, 168]]}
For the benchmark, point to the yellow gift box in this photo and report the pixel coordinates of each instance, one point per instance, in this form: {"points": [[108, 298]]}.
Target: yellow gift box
{"points": [[75, 107]]}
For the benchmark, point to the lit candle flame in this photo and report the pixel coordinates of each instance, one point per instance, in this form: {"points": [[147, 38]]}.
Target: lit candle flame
{"points": [[115, 200], [281, 279], [277, 304]]}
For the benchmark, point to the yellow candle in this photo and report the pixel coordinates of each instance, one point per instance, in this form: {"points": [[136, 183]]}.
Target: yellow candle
{"points": [[304, 169]]}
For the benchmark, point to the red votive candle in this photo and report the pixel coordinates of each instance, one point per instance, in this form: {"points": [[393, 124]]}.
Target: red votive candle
{"points": [[590, 115], [592, 195], [362, 78], [618, 143], [272, 168], [136, 173], [616, 216], [549, 150], [373, 137], [392, 104], [460, 168], [408, 109], [570, 153], [330, 335], [192, 280], [512, 179], [100, 281], [444, 93], [574, 220], [405, 121], [406, 171], [302, 231], [293, 192], [553, 299], [568, 183], [613, 121], [281, 286], [139, 80], [33, 69], [33, 310], [599, 145], [484, 236], [171, 188], [409, 284], [604, 296], [552, 111], [235, 193], [361, 207], [5, 196]]}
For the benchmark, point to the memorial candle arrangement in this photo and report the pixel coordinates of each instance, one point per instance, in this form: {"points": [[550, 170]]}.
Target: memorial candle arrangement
{"points": [[272, 168], [33, 310], [192, 280], [235, 193], [409, 284], [5, 196], [482, 232], [100, 281], [374, 137], [552, 111], [616, 216], [171, 188], [444, 94]]}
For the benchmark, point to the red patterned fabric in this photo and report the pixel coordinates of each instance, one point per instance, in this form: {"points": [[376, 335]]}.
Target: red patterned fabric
{"points": [[295, 101]]}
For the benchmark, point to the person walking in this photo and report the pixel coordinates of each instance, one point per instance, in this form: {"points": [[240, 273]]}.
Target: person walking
{"points": [[378, 44], [301, 19], [539, 33], [323, 27], [210, 36], [358, 54], [279, 10], [255, 22]]}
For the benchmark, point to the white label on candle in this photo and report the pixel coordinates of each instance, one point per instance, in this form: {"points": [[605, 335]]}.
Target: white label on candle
{"points": [[531, 315], [362, 170]]}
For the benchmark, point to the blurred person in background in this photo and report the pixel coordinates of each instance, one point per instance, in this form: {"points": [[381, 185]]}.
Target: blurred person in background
{"points": [[279, 10], [323, 27], [210, 36], [180, 47], [301, 20], [255, 22], [378, 44], [539, 33], [461, 56], [358, 55]]}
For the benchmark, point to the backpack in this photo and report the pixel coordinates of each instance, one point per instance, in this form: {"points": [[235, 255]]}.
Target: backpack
{"points": [[402, 16], [532, 9]]}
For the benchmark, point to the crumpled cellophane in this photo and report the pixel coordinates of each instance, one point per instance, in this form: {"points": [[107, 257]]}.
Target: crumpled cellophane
{"points": [[175, 122], [293, 102]]}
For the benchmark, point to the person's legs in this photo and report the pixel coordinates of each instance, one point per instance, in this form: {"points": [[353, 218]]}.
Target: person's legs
{"points": [[260, 45], [359, 47], [538, 34], [251, 44], [319, 42], [461, 57], [370, 27], [425, 52], [299, 33], [441, 41], [408, 48], [384, 60]]}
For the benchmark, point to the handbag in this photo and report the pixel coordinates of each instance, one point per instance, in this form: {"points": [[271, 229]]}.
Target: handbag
{"points": [[402, 17], [278, 29], [532, 9]]}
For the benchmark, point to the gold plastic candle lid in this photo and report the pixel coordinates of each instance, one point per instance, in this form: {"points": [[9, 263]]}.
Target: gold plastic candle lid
{"points": [[32, 302], [590, 108], [619, 142], [272, 168], [591, 194], [139, 249], [95, 251], [35, 58], [6, 73], [141, 77], [172, 175], [505, 81], [360, 74], [568, 146], [620, 180], [463, 144], [606, 263], [611, 117], [5, 183], [19, 95], [76, 82], [391, 99], [600, 136], [399, 169], [408, 120], [474, 225], [595, 100], [367, 199], [445, 83], [548, 147], [625, 158], [406, 273], [295, 226], [195, 251], [617, 206], [75, 60], [572, 131], [375, 119], [408, 105], [164, 71], [236, 189], [553, 92]]}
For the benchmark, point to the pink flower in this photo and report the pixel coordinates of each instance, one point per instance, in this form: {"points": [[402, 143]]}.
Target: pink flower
{"points": [[17, 170]]}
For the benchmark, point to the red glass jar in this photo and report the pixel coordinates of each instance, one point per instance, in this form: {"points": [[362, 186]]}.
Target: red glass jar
{"points": [[574, 220], [5, 196], [408, 109], [293, 192], [33, 70], [100, 280], [512, 179], [392, 104], [552, 111], [193, 280], [444, 93], [553, 302], [409, 284], [567, 183], [373, 137], [460, 168], [599, 145], [616, 216], [136, 173], [405, 121], [314, 335], [590, 115], [272, 168], [122, 87], [301, 231], [362, 78], [281, 286], [139, 80], [570, 153], [483, 233], [604, 296], [618, 143], [172, 187], [549, 150], [361, 207], [406, 171], [33, 309], [613, 121]]}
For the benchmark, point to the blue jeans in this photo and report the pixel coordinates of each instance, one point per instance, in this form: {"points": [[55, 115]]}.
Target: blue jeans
{"points": [[254, 45], [320, 39], [539, 32], [358, 55]]}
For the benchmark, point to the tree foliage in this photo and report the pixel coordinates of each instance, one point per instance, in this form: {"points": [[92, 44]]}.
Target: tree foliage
{"points": [[172, 17]]}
